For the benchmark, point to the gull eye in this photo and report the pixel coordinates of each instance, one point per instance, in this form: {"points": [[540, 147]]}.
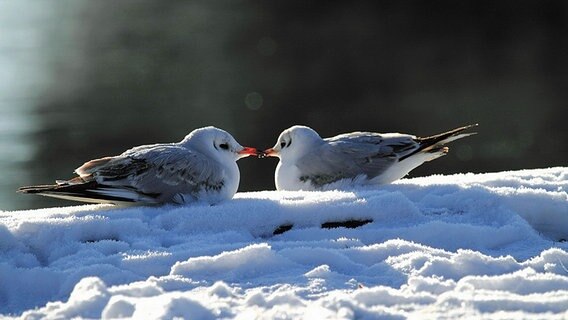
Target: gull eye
{"points": [[284, 143], [224, 146]]}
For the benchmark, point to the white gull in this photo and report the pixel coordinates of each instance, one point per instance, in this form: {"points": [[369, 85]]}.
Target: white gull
{"points": [[308, 162], [202, 167]]}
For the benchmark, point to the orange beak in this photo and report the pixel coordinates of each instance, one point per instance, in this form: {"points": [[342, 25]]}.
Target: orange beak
{"points": [[248, 151], [270, 152]]}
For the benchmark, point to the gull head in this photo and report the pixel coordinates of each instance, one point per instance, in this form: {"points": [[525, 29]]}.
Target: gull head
{"points": [[217, 143], [293, 143]]}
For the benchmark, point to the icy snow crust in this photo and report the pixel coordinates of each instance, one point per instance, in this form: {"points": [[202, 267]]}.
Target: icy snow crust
{"points": [[467, 245]]}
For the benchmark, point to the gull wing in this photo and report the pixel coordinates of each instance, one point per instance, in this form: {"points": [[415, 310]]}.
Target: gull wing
{"points": [[354, 154], [150, 174]]}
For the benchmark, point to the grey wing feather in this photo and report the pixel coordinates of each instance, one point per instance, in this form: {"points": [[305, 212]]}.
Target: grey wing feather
{"points": [[90, 167], [163, 171], [353, 154]]}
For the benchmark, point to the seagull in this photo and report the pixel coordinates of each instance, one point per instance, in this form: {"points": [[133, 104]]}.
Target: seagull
{"points": [[308, 162], [200, 168]]}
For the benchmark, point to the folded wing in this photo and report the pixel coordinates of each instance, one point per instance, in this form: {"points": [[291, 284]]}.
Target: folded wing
{"points": [[353, 154], [150, 174], [371, 154]]}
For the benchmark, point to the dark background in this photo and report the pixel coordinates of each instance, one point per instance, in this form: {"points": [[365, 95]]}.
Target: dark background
{"points": [[85, 79]]}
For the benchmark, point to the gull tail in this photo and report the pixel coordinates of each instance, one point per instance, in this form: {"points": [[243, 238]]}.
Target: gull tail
{"points": [[446, 137], [434, 145], [89, 191]]}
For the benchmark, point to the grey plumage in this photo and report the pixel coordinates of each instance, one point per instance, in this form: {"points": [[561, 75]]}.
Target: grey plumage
{"points": [[152, 174], [372, 157]]}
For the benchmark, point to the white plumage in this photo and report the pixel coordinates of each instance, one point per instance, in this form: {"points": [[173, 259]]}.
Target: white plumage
{"points": [[202, 167], [308, 162]]}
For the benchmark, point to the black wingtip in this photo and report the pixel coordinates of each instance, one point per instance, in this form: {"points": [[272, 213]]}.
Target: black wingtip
{"points": [[463, 128], [435, 142], [35, 189], [444, 135], [85, 192]]}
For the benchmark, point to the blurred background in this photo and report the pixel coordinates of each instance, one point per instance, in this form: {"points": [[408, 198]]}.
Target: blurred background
{"points": [[83, 79]]}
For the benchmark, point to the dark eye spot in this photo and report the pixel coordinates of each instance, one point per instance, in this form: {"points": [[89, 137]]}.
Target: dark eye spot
{"points": [[282, 144], [224, 146]]}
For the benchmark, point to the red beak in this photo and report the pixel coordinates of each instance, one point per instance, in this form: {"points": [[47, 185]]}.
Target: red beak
{"points": [[248, 151], [270, 152]]}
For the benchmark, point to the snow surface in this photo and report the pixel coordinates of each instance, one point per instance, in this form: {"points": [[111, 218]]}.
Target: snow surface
{"points": [[466, 245]]}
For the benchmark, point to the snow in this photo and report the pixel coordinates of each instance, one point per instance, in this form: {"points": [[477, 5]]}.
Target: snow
{"points": [[466, 245]]}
